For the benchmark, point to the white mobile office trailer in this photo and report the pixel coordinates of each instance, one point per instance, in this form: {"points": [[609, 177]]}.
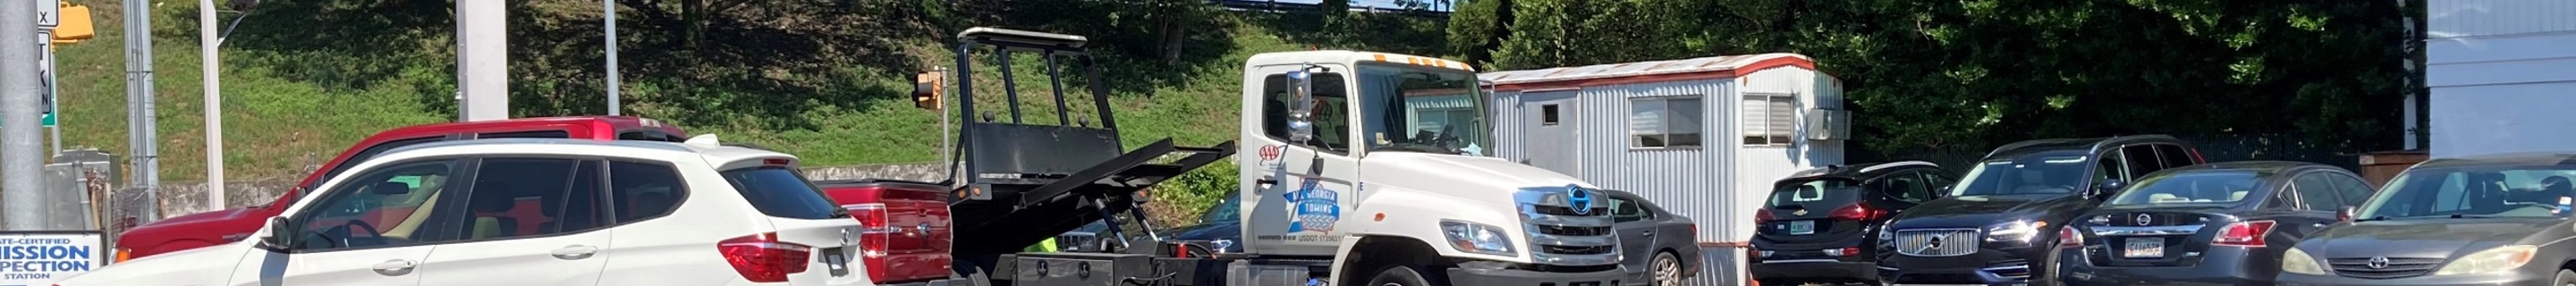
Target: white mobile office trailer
{"points": [[2502, 75], [1702, 137]]}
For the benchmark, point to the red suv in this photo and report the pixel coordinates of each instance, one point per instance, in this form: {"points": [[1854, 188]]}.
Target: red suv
{"points": [[226, 226]]}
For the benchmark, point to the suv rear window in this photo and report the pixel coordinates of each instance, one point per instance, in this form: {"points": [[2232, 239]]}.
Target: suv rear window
{"points": [[780, 192], [1818, 191]]}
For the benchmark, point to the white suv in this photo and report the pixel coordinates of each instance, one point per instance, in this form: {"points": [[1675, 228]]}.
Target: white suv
{"points": [[538, 212]]}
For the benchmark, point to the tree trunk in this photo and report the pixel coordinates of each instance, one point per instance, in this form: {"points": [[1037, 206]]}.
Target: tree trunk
{"points": [[1169, 24], [693, 15]]}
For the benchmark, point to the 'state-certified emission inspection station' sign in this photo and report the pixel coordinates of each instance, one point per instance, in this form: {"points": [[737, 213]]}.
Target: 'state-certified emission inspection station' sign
{"points": [[42, 257]]}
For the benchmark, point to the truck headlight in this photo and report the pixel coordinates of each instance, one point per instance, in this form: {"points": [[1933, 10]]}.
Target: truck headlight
{"points": [[2491, 260], [2295, 261], [2018, 231], [1476, 237]]}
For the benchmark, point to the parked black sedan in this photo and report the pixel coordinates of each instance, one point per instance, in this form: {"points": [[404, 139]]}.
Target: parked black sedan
{"points": [[2213, 224], [1816, 224], [2478, 220], [1661, 248]]}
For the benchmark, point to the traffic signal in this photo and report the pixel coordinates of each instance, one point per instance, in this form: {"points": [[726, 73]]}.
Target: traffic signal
{"points": [[926, 88], [74, 25]]}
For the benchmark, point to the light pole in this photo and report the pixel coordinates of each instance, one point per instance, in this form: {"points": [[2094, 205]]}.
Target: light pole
{"points": [[608, 10], [207, 39]]}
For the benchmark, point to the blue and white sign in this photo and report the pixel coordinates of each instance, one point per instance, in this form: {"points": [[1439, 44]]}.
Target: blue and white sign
{"points": [[42, 257]]}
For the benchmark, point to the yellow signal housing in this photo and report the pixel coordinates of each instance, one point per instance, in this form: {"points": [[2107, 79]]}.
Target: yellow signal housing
{"points": [[75, 26], [926, 89]]}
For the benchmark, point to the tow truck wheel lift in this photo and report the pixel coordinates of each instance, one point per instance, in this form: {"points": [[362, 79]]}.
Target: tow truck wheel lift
{"points": [[1026, 182]]}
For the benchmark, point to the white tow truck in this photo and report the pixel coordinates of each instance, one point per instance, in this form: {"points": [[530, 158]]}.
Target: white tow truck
{"points": [[1360, 168]]}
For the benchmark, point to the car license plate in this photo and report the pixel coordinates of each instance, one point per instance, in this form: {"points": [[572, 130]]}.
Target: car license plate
{"points": [[838, 259], [2145, 247], [1803, 227]]}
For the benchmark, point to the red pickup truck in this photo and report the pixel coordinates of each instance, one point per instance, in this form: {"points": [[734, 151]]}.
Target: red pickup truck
{"points": [[225, 226], [906, 229]]}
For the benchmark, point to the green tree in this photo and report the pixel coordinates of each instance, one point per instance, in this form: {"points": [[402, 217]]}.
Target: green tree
{"points": [[1478, 28]]}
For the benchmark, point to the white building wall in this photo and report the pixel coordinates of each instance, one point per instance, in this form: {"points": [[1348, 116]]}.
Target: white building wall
{"points": [[2502, 75]]}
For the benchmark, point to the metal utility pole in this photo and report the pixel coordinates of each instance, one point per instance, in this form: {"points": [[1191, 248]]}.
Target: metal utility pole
{"points": [[483, 59], [21, 156], [207, 40], [139, 112], [609, 11]]}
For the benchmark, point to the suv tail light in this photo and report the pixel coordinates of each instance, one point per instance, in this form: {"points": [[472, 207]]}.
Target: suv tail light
{"points": [[2067, 238], [1858, 211], [1762, 216], [876, 233], [761, 258], [2244, 234]]}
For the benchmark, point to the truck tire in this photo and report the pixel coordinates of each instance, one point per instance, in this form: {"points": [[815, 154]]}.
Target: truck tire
{"points": [[1399, 275]]}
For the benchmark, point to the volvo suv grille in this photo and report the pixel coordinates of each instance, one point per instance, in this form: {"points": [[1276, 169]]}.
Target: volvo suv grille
{"points": [[1936, 242], [1567, 226], [2383, 267]]}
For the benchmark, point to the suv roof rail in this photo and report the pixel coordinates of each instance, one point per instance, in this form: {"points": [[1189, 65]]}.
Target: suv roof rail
{"points": [[2091, 144], [1882, 166]]}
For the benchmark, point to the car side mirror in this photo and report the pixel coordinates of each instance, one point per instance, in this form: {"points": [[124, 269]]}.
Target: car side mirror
{"points": [[281, 235], [2346, 214], [2106, 188]]}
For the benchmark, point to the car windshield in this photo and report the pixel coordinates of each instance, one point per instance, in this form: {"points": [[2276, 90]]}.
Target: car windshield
{"points": [[2491, 191], [1224, 211], [1427, 110], [2047, 173], [2206, 187]]}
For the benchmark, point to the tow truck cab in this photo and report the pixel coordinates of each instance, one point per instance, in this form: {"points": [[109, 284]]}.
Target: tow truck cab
{"points": [[228, 225], [1385, 163]]}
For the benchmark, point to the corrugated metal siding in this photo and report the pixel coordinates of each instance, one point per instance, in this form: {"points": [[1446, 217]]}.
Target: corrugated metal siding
{"points": [[2475, 18], [1691, 182], [1509, 118], [1715, 269]]}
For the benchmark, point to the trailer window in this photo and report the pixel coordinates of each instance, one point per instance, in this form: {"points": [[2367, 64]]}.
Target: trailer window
{"points": [[1769, 118], [1664, 121]]}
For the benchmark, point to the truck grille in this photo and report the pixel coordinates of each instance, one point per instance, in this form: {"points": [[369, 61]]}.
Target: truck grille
{"points": [[2395, 267], [1560, 236], [1936, 242]]}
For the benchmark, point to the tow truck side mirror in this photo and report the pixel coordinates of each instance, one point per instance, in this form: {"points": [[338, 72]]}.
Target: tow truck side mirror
{"points": [[1301, 106], [926, 90]]}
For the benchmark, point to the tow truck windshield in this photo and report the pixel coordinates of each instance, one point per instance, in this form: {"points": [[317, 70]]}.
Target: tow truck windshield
{"points": [[1409, 109], [2509, 191]]}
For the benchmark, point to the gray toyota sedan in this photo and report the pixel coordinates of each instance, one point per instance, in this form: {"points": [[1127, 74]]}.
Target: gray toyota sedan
{"points": [[2478, 220]]}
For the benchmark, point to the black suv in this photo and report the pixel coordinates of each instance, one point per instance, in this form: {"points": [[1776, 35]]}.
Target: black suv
{"points": [[2001, 224], [1817, 223]]}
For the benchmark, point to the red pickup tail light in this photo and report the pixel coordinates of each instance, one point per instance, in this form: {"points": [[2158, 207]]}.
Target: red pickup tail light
{"points": [[876, 232]]}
